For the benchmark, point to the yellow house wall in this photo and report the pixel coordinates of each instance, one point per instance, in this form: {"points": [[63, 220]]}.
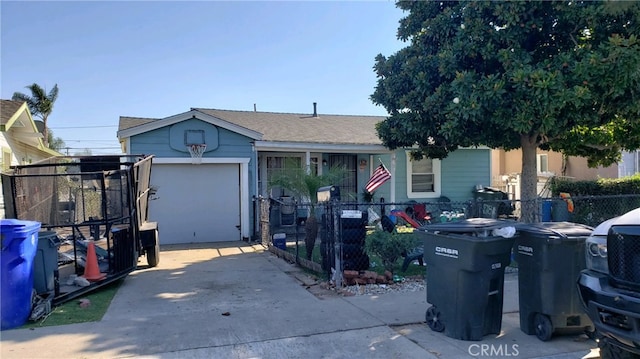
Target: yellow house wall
{"points": [[509, 162]]}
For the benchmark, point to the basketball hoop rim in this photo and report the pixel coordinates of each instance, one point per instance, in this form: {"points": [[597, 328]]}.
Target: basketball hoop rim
{"points": [[197, 145], [196, 151]]}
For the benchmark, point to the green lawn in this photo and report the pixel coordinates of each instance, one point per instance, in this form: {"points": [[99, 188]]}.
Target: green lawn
{"points": [[71, 311]]}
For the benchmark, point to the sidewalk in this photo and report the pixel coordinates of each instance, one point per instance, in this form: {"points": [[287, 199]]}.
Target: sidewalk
{"points": [[234, 300]]}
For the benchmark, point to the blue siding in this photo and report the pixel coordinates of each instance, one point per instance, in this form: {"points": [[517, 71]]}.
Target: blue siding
{"points": [[460, 172], [156, 142], [383, 191]]}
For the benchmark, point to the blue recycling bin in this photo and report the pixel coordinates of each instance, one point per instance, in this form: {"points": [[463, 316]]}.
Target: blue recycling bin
{"points": [[547, 206], [19, 243]]}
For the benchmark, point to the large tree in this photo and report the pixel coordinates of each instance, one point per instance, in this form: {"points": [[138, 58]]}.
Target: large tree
{"points": [[40, 104], [560, 75]]}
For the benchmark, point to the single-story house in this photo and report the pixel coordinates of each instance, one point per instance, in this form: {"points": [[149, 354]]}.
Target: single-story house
{"points": [[20, 140], [214, 200]]}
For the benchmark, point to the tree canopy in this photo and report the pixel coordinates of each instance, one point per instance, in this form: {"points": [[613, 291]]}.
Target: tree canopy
{"points": [[559, 75], [55, 143]]}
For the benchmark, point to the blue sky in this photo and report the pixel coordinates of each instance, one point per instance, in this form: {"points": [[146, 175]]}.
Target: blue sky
{"points": [[157, 59]]}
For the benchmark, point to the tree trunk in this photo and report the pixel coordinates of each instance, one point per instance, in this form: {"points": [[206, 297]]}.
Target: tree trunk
{"points": [[528, 180], [311, 232], [45, 132]]}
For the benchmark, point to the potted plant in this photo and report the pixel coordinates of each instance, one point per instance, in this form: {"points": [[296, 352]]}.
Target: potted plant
{"points": [[367, 197], [304, 185]]}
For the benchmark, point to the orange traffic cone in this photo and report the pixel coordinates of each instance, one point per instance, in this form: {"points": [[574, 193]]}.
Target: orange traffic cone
{"points": [[91, 269]]}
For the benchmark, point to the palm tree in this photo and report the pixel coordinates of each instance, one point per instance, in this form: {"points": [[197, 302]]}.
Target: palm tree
{"points": [[304, 184], [40, 104]]}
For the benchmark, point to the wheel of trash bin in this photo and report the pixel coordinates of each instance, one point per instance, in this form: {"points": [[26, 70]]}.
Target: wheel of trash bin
{"points": [[544, 328], [433, 319]]}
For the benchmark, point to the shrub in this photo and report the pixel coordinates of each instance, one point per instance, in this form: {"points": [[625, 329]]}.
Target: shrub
{"points": [[389, 246], [600, 187]]}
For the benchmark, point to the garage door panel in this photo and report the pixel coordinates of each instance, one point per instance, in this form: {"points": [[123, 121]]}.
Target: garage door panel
{"points": [[196, 203]]}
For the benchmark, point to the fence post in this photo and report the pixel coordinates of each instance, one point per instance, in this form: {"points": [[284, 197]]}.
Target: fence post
{"points": [[337, 243], [264, 220], [297, 226]]}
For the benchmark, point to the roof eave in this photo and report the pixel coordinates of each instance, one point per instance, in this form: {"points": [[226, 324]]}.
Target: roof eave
{"points": [[319, 147], [168, 121], [23, 110]]}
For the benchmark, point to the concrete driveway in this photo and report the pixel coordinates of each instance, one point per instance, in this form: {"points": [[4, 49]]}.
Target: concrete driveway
{"points": [[235, 300]]}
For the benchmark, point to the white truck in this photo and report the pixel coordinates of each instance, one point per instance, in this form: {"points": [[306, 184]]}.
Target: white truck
{"points": [[610, 286]]}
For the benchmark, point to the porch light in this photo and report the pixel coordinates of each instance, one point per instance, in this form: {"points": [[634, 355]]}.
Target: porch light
{"points": [[363, 164]]}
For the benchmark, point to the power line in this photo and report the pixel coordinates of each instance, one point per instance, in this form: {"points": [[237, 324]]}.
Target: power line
{"points": [[74, 127], [93, 148], [88, 140]]}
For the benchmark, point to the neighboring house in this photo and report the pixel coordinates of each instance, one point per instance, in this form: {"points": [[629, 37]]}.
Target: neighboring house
{"points": [[20, 141], [630, 164], [507, 166], [213, 201]]}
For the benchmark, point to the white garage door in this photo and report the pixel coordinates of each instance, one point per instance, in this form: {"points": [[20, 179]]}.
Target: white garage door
{"points": [[196, 203]]}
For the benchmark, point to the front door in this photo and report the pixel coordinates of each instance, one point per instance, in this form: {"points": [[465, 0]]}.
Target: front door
{"points": [[348, 185]]}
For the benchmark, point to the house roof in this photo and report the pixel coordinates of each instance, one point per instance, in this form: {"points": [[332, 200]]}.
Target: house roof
{"points": [[16, 121], [131, 126], [297, 127], [291, 127], [9, 112], [130, 122]]}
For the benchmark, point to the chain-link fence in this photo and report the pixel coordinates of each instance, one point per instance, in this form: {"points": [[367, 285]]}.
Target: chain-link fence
{"points": [[378, 237]]}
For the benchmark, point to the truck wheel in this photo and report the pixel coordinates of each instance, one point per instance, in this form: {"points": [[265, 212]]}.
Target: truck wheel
{"points": [[544, 328], [609, 351], [153, 252], [136, 256], [433, 319]]}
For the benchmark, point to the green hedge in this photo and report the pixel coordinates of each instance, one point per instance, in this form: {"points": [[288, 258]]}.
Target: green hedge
{"points": [[600, 187], [599, 200]]}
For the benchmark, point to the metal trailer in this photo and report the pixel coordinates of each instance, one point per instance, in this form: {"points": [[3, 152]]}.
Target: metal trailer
{"points": [[94, 204]]}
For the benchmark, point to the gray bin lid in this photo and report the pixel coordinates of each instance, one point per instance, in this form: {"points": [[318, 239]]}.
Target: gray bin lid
{"points": [[469, 225], [565, 230]]}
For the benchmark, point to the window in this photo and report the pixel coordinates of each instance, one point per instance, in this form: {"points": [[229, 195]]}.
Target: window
{"points": [[6, 158], [542, 163], [423, 178], [279, 162]]}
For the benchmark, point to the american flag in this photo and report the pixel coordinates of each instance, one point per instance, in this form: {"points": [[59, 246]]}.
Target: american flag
{"points": [[380, 176]]}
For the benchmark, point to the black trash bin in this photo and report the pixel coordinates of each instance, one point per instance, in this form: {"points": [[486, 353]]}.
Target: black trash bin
{"points": [[45, 264], [491, 203], [550, 256], [465, 276], [353, 232]]}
